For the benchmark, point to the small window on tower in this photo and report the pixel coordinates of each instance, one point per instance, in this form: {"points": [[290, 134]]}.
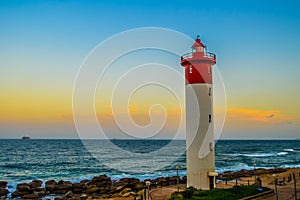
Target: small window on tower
{"points": [[209, 91], [209, 118], [211, 148], [191, 69]]}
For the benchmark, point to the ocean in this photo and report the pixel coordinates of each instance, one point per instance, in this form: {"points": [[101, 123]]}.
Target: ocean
{"points": [[74, 160]]}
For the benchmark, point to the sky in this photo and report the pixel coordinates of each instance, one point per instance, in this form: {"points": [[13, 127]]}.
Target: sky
{"points": [[44, 43]]}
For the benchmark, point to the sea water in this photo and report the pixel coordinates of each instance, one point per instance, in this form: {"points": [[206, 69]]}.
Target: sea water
{"points": [[74, 160]]}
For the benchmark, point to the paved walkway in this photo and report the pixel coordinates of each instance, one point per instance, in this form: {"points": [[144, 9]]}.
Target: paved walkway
{"points": [[165, 192]]}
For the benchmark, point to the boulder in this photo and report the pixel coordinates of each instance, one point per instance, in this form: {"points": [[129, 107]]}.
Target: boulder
{"points": [[3, 192], [19, 193], [3, 184], [116, 195], [126, 190], [101, 178], [69, 194], [62, 187], [77, 190], [140, 193], [30, 196], [60, 182], [41, 192], [139, 186], [35, 183], [49, 185], [77, 185], [117, 189], [126, 194], [159, 181], [105, 190], [84, 181], [68, 182], [38, 189], [127, 182], [23, 187], [92, 189], [50, 182], [83, 197]]}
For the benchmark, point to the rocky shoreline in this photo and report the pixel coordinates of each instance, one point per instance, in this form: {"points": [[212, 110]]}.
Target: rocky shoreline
{"points": [[104, 187], [99, 187], [231, 175]]}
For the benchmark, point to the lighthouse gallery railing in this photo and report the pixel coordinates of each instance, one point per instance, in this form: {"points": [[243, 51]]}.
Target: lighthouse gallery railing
{"points": [[204, 54]]}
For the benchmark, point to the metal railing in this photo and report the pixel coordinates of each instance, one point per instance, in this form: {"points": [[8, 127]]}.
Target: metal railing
{"points": [[205, 55]]}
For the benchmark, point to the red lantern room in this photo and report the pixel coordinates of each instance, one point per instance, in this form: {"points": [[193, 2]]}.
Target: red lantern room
{"points": [[198, 64]]}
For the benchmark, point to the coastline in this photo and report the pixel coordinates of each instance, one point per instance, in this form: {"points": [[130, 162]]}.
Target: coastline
{"points": [[128, 188]]}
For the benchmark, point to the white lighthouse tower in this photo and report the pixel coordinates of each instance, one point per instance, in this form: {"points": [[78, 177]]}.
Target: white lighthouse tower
{"points": [[200, 153]]}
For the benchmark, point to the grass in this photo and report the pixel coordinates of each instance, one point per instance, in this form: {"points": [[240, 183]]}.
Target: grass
{"points": [[234, 193]]}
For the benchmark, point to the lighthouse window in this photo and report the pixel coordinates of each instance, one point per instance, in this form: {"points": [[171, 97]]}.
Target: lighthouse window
{"points": [[191, 69], [211, 148], [209, 91], [209, 118]]}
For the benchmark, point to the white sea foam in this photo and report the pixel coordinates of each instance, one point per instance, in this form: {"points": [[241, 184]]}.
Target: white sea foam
{"points": [[259, 155], [282, 153], [289, 150]]}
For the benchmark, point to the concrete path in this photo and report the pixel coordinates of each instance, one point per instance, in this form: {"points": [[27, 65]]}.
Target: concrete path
{"points": [[165, 192]]}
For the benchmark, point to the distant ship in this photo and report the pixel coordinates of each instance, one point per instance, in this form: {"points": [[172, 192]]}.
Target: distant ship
{"points": [[25, 138]]}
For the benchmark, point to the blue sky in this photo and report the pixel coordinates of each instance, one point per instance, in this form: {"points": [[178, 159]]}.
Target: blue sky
{"points": [[257, 44]]}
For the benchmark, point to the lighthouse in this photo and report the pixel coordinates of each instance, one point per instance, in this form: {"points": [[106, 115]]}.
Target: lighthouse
{"points": [[200, 153]]}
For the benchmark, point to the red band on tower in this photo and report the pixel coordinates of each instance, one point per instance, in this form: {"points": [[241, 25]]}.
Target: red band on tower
{"points": [[198, 64]]}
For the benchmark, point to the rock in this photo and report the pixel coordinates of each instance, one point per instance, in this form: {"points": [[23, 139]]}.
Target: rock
{"points": [[35, 183], [116, 195], [58, 198], [69, 194], [3, 184], [18, 193], [126, 194], [49, 185], [139, 186], [3, 192], [92, 189], [126, 190], [117, 189], [140, 193], [62, 187], [38, 189], [77, 190], [101, 178], [126, 183], [68, 182], [83, 197], [77, 185], [51, 182], [15, 194], [30, 196], [23, 187], [159, 181], [133, 193], [105, 190], [41, 193], [84, 181]]}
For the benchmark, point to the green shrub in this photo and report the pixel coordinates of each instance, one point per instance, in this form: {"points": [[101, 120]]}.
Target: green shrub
{"points": [[233, 193]]}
